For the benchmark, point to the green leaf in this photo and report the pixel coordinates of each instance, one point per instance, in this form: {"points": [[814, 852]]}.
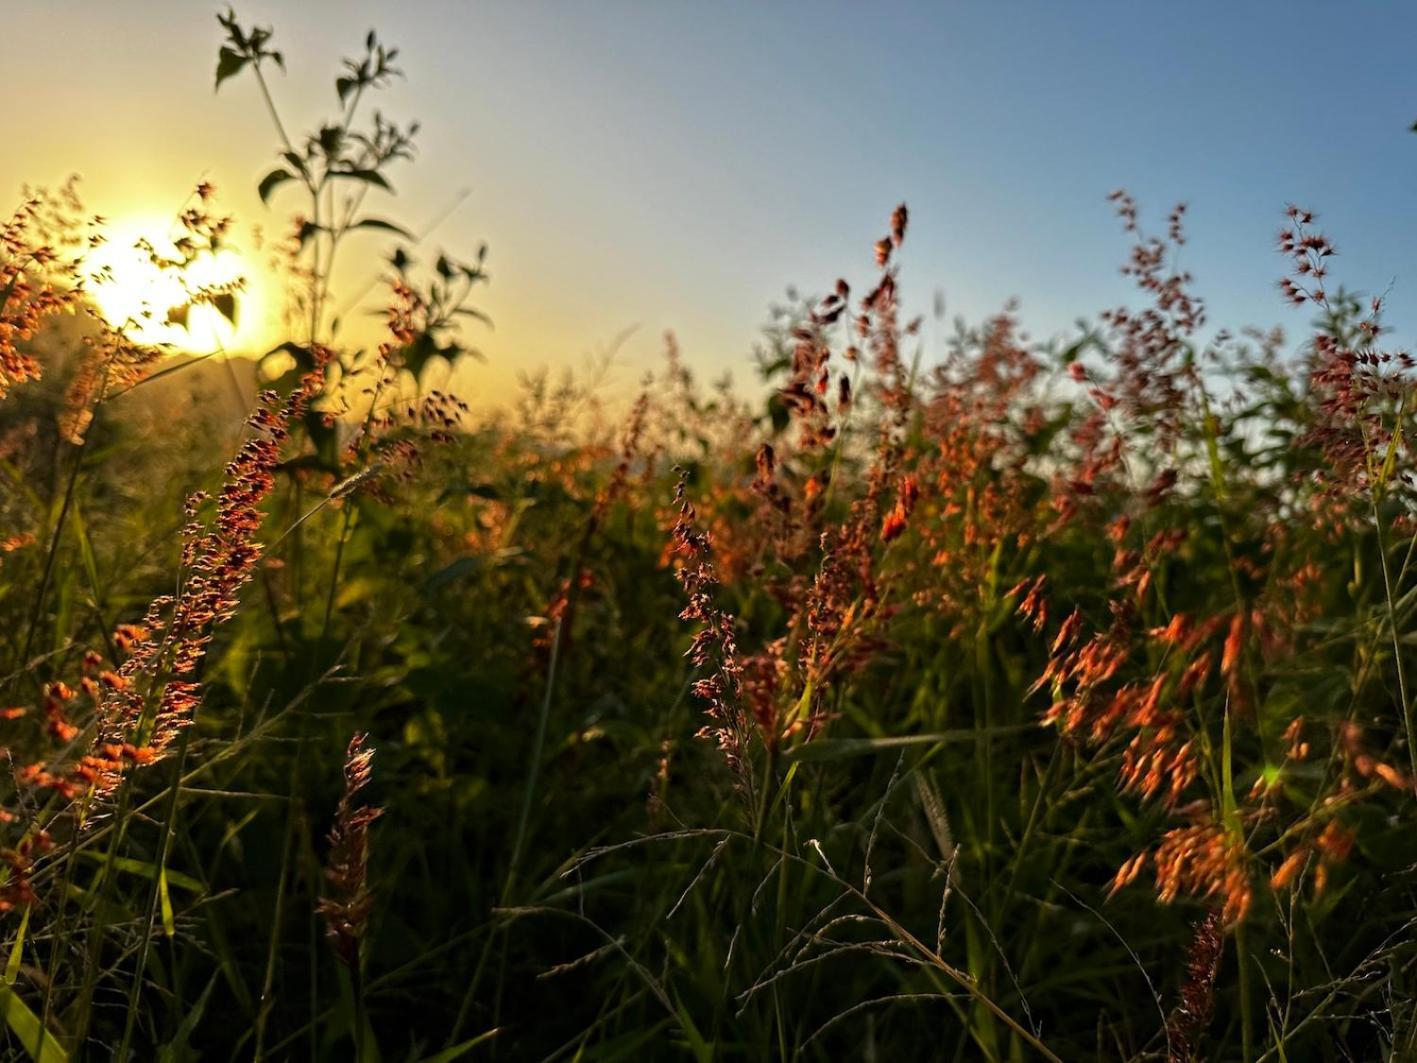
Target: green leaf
{"points": [[147, 870], [25, 1025], [229, 63], [177, 1049], [271, 181], [169, 922], [17, 951], [381, 224], [457, 1051]]}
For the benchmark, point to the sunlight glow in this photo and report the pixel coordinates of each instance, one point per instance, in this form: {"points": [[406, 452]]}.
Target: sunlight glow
{"points": [[165, 305]]}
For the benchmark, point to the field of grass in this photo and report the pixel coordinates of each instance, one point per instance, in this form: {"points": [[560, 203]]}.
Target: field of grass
{"points": [[1003, 702]]}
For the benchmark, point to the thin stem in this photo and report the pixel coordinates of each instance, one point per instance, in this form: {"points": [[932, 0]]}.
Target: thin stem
{"points": [[534, 765], [164, 848], [1407, 713], [271, 108]]}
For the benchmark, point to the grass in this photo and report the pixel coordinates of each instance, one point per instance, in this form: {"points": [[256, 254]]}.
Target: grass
{"points": [[997, 702]]}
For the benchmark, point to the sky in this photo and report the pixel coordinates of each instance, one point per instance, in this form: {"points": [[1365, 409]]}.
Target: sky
{"points": [[676, 165]]}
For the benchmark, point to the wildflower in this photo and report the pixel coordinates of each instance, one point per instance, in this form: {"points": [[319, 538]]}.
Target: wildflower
{"points": [[1191, 1015], [1207, 862], [714, 649], [347, 905]]}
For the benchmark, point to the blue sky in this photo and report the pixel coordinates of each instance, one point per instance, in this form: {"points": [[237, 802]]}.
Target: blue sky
{"points": [[676, 165]]}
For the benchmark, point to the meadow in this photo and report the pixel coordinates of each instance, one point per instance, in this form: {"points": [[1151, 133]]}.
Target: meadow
{"points": [[1010, 701]]}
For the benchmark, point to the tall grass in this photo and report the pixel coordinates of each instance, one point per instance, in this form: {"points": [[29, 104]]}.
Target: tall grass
{"points": [[1002, 701]]}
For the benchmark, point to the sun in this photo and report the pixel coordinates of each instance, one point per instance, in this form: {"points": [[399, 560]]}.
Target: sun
{"points": [[136, 290]]}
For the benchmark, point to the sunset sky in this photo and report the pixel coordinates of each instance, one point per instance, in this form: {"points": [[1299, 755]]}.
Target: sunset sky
{"points": [[637, 164]]}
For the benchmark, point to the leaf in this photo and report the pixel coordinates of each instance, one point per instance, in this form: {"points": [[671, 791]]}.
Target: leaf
{"points": [[381, 224], [457, 1051], [467, 311], [12, 966], [177, 315], [417, 353], [309, 229], [344, 86], [330, 139], [778, 413], [229, 63], [271, 181], [373, 177], [147, 870], [25, 1025], [177, 1049], [324, 438], [169, 923], [836, 748], [225, 303], [463, 566]]}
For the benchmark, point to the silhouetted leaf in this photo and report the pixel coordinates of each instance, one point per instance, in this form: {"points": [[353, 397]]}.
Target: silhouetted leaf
{"points": [[309, 229], [229, 63], [269, 183], [225, 303], [373, 177], [386, 226], [778, 412], [467, 311], [417, 353], [331, 139], [325, 438]]}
